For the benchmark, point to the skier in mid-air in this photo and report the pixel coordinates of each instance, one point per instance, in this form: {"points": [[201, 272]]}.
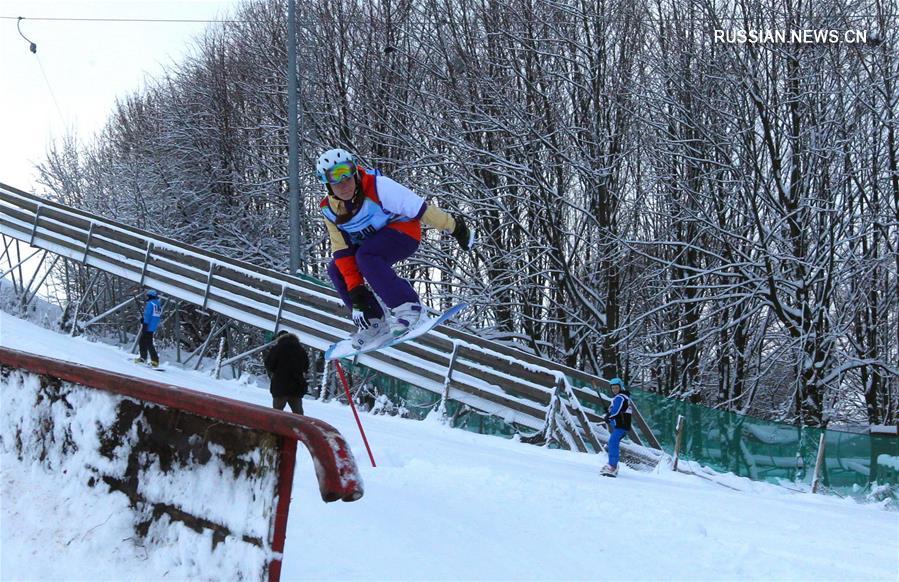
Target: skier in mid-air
{"points": [[619, 420], [374, 222]]}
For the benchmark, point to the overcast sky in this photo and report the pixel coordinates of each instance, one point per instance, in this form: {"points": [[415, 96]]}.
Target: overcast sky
{"points": [[86, 65]]}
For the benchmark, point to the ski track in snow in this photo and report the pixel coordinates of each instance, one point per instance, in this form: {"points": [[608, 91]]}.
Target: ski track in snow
{"points": [[444, 504]]}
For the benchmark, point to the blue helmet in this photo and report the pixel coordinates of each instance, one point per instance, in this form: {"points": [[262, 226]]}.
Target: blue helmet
{"points": [[617, 381], [152, 294]]}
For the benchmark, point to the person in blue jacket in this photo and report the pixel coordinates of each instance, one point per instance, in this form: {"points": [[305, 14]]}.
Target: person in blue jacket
{"points": [[149, 321], [619, 420]]}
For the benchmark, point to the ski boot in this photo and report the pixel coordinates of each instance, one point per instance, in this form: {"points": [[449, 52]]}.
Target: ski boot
{"points": [[405, 317], [376, 332]]}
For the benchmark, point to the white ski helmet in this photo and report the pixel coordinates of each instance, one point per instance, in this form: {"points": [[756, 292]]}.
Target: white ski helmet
{"points": [[331, 158]]}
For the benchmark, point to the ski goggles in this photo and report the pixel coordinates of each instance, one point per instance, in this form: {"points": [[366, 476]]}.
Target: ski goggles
{"points": [[338, 173]]}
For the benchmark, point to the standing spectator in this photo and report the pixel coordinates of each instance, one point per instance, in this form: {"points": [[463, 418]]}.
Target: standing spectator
{"points": [[619, 420], [286, 364], [149, 321]]}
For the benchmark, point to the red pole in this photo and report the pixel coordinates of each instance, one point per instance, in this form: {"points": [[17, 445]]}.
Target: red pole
{"points": [[285, 484], [349, 398]]}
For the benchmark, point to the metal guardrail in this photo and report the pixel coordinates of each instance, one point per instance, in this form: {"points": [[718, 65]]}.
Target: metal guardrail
{"points": [[482, 374]]}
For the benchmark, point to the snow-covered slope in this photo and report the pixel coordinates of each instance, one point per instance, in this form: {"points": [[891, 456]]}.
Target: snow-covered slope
{"points": [[445, 504]]}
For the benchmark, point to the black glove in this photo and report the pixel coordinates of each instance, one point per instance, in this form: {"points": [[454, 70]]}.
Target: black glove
{"points": [[359, 297], [463, 234]]}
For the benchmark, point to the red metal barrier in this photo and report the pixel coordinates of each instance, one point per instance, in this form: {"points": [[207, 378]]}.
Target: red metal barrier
{"points": [[335, 467]]}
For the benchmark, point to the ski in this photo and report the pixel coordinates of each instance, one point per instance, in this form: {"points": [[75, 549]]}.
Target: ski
{"points": [[344, 348]]}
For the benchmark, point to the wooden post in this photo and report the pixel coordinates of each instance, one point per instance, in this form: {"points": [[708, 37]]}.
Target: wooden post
{"points": [[679, 431], [818, 463]]}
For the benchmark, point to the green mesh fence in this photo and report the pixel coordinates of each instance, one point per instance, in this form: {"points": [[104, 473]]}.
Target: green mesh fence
{"points": [[765, 450]]}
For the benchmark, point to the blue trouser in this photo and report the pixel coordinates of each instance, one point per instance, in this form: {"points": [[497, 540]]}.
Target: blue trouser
{"points": [[614, 443], [375, 258]]}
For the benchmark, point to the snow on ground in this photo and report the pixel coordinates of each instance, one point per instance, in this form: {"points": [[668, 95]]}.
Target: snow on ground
{"points": [[445, 504]]}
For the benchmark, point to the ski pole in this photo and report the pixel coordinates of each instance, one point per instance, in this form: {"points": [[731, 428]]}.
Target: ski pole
{"points": [[349, 398]]}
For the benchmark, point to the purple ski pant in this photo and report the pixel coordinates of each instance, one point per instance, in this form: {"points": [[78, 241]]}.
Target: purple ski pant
{"points": [[375, 258]]}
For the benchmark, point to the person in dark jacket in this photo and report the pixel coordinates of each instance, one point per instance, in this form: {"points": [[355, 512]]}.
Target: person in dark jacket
{"points": [[286, 364], [149, 321], [619, 420]]}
